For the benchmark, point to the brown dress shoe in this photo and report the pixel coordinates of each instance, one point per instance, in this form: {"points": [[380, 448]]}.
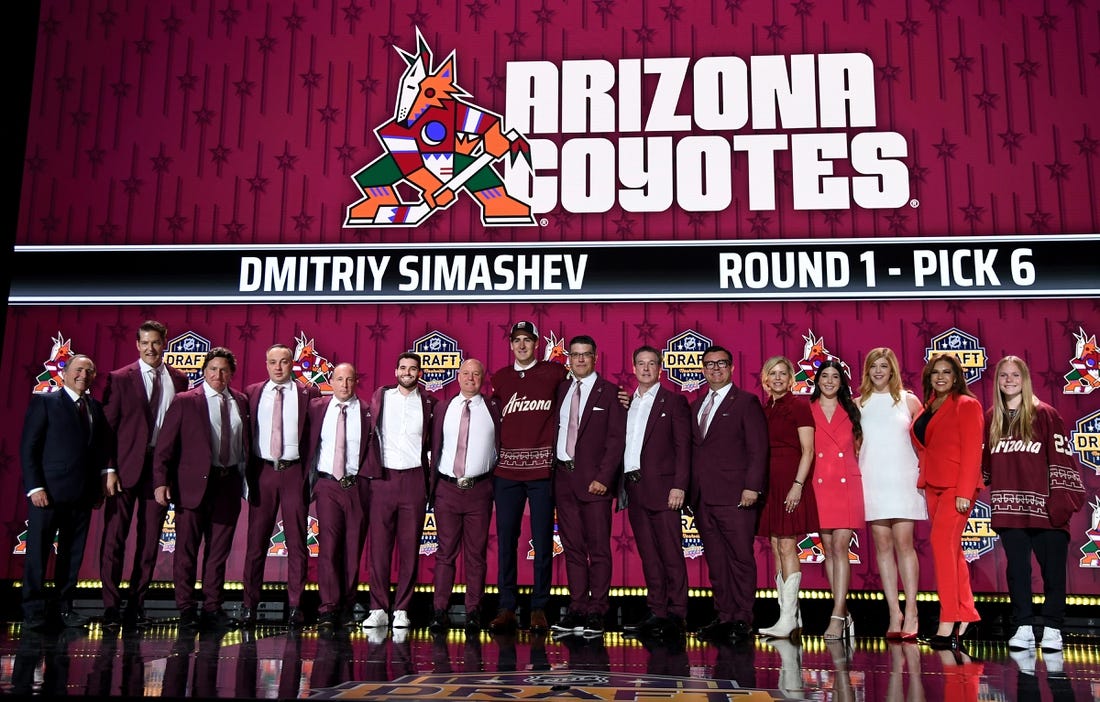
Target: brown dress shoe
{"points": [[538, 621], [504, 622]]}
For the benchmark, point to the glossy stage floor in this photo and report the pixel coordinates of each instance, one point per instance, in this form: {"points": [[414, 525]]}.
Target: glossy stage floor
{"points": [[272, 662]]}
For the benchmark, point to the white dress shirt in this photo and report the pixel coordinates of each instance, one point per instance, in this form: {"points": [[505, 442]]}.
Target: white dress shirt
{"points": [[586, 385], [290, 421], [214, 405], [637, 417], [481, 444], [402, 429], [354, 435]]}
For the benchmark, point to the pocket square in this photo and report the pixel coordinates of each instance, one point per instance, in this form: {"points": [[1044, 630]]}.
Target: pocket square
{"points": [[663, 414], [598, 409]]}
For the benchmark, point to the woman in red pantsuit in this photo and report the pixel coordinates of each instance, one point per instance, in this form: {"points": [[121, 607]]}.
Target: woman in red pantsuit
{"points": [[948, 436]]}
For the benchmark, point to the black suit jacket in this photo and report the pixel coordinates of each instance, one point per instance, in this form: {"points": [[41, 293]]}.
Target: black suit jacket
{"points": [[59, 452]]}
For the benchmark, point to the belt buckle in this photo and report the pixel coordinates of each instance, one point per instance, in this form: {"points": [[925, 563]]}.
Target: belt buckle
{"points": [[348, 481], [569, 465], [280, 465], [634, 476], [464, 483]]}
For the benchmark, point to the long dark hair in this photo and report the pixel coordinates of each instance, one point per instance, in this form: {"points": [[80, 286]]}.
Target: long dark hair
{"points": [[843, 396]]}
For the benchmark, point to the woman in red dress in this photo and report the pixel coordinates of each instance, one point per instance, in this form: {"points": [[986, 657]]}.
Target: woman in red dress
{"points": [[790, 510]]}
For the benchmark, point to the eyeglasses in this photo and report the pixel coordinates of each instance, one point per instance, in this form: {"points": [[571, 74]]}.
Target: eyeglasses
{"points": [[581, 354], [711, 365]]}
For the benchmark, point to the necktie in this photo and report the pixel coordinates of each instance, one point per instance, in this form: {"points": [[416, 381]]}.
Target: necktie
{"points": [[340, 453], [227, 431], [704, 420], [463, 440], [82, 412], [574, 420], [277, 425], [154, 397]]}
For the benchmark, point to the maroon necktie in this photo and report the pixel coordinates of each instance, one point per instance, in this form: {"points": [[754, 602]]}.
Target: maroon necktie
{"points": [[574, 420], [277, 425], [227, 431], [154, 398], [340, 453], [463, 440]]}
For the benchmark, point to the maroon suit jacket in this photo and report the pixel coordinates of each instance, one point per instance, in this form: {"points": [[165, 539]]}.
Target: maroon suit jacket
{"points": [[493, 405], [182, 459], [374, 458], [734, 454], [317, 408], [666, 451], [304, 394], [127, 409], [601, 440]]}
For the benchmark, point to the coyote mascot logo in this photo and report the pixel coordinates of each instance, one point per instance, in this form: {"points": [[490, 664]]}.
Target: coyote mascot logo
{"points": [[439, 144], [1085, 376]]}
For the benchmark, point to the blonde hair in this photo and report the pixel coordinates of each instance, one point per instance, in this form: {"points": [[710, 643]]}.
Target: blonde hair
{"points": [[772, 363], [866, 387], [1004, 423]]}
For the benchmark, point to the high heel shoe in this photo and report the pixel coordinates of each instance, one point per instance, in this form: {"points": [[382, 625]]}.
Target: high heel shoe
{"points": [[950, 642], [848, 632]]}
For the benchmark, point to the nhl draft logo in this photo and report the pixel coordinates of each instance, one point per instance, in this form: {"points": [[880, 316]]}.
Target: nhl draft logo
{"points": [[429, 538], [277, 547], [811, 550], [168, 531], [978, 536], [1085, 374], [21, 541], [557, 547], [814, 353], [439, 144], [1086, 440], [440, 358], [1091, 549], [187, 352], [50, 378], [310, 367], [689, 536], [683, 359], [964, 347]]}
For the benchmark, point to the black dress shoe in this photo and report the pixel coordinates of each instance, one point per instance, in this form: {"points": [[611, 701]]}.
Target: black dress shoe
{"points": [[645, 626], [71, 618], [326, 620], [296, 619], [217, 620], [112, 618], [716, 629], [740, 630], [439, 623], [473, 619], [135, 618], [347, 619], [672, 628], [248, 617], [189, 619]]}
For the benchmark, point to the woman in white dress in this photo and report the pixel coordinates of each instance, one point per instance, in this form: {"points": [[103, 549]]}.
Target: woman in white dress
{"points": [[891, 499]]}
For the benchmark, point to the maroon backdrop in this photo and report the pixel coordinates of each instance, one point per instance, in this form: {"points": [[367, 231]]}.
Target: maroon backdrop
{"points": [[241, 124]]}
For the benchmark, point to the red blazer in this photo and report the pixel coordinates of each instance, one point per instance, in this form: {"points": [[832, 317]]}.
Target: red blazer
{"points": [[951, 455], [601, 439], [182, 459], [666, 451], [317, 408], [374, 458], [127, 409], [304, 394], [733, 456]]}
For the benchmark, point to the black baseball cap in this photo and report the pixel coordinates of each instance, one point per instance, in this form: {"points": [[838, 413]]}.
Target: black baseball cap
{"points": [[527, 328]]}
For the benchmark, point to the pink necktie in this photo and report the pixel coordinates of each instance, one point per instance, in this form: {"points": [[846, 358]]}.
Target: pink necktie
{"points": [[340, 453], [277, 425], [463, 440], [704, 420], [154, 398], [227, 431], [574, 420]]}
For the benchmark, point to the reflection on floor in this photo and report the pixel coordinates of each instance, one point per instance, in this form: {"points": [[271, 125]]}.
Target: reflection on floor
{"points": [[274, 663]]}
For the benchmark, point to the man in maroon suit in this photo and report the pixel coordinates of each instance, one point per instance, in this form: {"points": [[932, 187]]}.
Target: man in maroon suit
{"points": [[656, 468], [399, 489], [199, 466], [339, 433], [465, 445], [589, 451], [728, 475], [277, 479], [135, 401]]}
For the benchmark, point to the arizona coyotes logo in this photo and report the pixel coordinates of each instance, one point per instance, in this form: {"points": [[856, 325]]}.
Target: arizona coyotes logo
{"points": [[557, 547], [1085, 376], [277, 544], [555, 350], [21, 541], [310, 367], [811, 550], [439, 144], [50, 379], [1091, 550], [814, 354]]}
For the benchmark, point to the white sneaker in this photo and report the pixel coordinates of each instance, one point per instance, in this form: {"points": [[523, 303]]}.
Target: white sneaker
{"points": [[1023, 639], [400, 619], [1052, 639], [1054, 662], [376, 636], [1025, 661], [376, 618]]}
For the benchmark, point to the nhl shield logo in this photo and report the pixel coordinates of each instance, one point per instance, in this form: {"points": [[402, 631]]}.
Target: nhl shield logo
{"points": [[978, 537], [1084, 376], [690, 540], [683, 359], [440, 358], [964, 347], [186, 353], [1086, 440]]}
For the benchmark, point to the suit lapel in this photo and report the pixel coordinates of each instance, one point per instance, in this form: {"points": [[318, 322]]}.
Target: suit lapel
{"points": [[654, 413], [589, 407]]}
